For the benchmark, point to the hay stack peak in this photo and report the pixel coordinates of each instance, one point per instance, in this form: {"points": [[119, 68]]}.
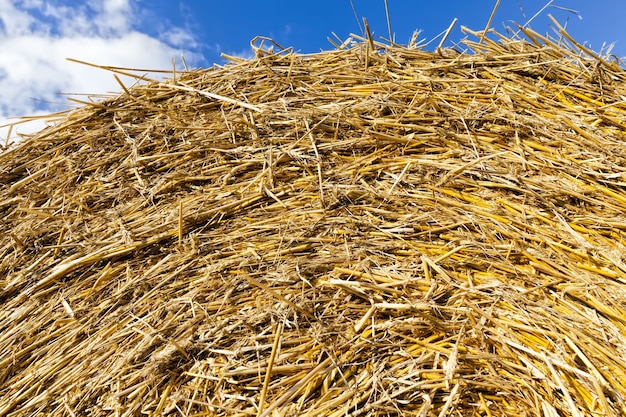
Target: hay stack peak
{"points": [[372, 231]]}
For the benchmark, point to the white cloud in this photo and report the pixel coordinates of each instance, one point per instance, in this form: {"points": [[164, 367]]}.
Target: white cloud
{"points": [[179, 37], [36, 37], [13, 22]]}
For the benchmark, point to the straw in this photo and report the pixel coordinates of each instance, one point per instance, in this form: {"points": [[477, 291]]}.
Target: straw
{"points": [[371, 231]]}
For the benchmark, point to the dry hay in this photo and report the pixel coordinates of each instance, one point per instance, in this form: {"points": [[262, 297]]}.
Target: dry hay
{"points": [[377, 230]]}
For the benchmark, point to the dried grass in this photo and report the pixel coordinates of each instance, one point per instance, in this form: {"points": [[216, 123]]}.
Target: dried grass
{"points": [[362, 232]]}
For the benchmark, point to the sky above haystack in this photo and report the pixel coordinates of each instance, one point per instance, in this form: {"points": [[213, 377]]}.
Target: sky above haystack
{"points": [[36, 36]]}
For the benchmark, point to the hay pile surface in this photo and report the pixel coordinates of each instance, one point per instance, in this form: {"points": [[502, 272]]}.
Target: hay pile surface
{"points": [[372, 231]]}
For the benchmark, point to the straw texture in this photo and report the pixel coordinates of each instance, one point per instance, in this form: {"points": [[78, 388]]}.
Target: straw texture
{"points": [[372, 231]]}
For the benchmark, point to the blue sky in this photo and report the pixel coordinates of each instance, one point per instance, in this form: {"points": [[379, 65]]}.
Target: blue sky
{"points": [[305, 25], [36, 36]]}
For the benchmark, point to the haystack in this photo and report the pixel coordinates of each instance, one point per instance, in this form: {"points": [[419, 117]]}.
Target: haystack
{"points": [[377, 230]]}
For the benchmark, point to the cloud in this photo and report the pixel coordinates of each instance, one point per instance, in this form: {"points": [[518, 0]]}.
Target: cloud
{"points": [[179, 37], [38, 35]]}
